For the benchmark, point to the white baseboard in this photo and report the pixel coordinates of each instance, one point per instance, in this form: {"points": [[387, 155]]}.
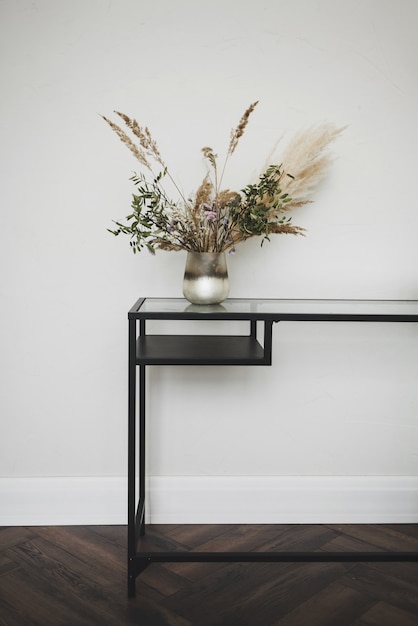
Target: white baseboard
{"points": [[62, 501], [284, 500], [213, 499]]}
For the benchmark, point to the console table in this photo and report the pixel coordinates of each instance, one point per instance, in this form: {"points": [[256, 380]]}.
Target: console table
{"points": [[253, 348]]}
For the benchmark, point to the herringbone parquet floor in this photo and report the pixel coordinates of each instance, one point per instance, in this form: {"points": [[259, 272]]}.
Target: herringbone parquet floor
{"points": [[76, 576]]}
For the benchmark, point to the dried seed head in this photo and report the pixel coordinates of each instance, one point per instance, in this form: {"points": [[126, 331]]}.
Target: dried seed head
{"points": [[239, 130], [136, 150]]}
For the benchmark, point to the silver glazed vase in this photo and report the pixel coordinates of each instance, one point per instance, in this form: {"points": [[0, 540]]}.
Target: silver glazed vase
{"points": [[206, 278]]}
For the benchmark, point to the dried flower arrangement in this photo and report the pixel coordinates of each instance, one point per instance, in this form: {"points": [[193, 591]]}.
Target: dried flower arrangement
{"points": [[216, 219]]}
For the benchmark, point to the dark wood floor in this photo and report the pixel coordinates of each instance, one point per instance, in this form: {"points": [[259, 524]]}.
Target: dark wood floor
{"points": [[76, 576]]}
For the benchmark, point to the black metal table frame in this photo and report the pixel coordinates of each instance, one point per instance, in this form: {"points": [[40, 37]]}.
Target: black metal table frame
{"points": [[145, 350]]}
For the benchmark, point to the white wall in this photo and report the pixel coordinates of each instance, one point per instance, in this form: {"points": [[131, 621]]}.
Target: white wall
{"points": [[339, 401]]}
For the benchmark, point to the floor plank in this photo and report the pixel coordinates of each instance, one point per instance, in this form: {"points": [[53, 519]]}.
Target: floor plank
{"points": [[383, 614], [333, 605], [381, 585], [250, 592]]}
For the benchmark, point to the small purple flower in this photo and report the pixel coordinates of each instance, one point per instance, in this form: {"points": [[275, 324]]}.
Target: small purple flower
{"points": [[171, 225], [210, 215]]}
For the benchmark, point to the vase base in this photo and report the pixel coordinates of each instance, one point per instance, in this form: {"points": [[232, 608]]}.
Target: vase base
{"points": [[205, 290], [205, 278]]}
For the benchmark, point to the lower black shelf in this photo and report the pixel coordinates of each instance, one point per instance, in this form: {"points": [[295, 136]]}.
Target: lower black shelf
{"points": [[200, 350]]}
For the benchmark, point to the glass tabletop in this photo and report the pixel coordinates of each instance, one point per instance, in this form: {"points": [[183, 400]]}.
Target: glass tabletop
{"points": [[241, 308]]}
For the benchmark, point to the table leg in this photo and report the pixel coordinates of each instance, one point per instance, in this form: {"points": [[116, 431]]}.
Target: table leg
{"points": [[141, 508], [131, 457]]}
